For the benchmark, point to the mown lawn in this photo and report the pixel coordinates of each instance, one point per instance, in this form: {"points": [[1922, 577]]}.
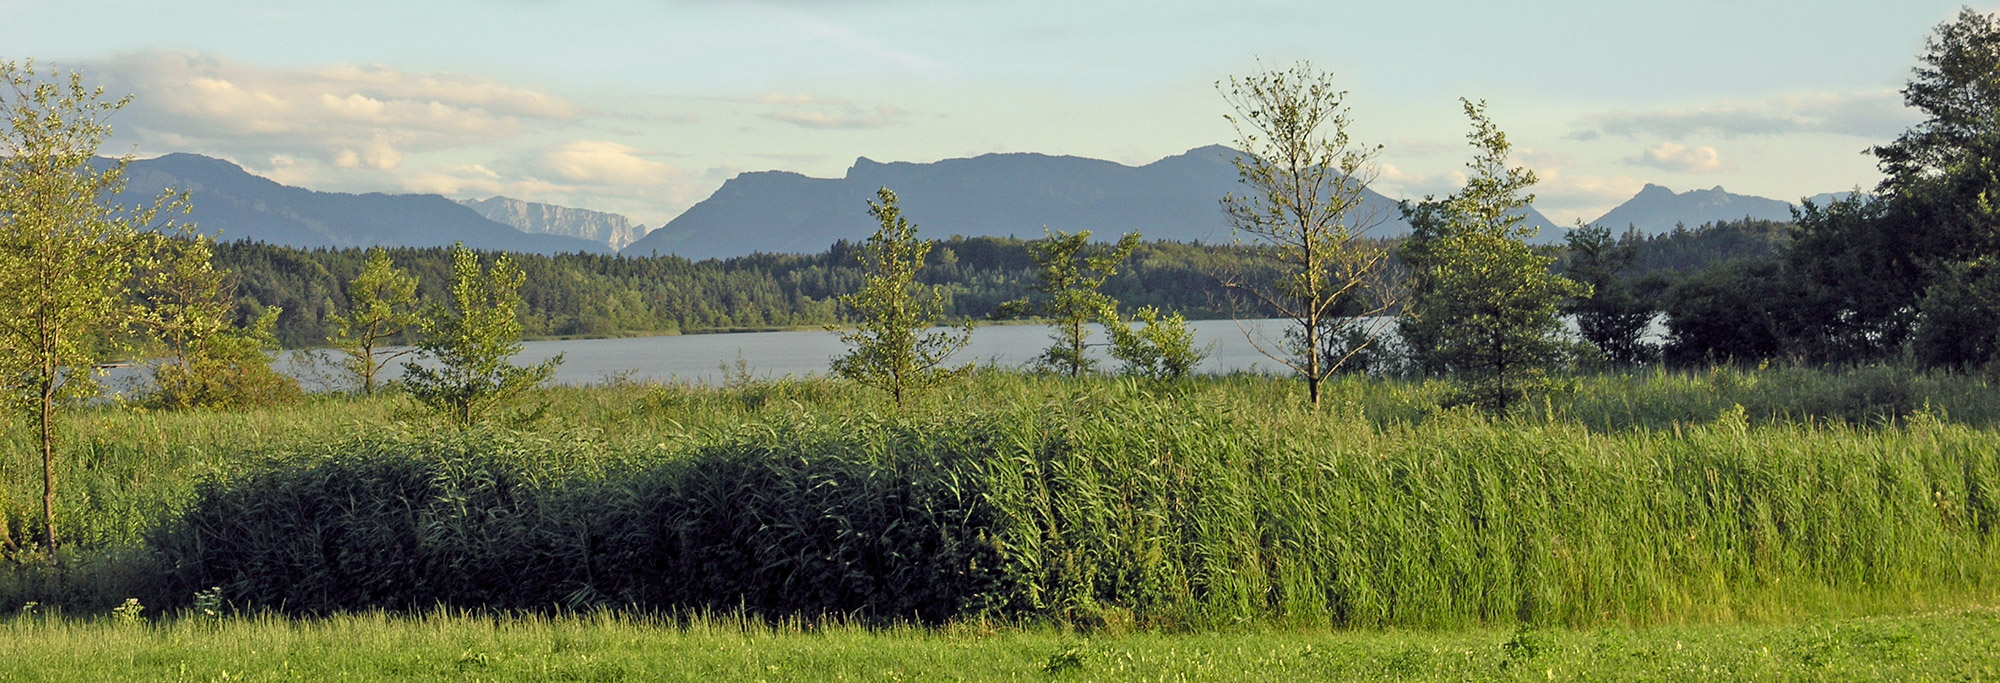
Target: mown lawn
{"points": [[1954, 645]]}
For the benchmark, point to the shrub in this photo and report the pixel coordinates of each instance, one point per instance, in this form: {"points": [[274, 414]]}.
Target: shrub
{"points": [[1094, 509]]}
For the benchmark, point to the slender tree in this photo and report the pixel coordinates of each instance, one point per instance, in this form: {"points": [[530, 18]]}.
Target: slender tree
{"points": [[1484, 306], [891, 348], [382, 305], [472, 342], [1071, 282], [69, 258], [1303, 182]]}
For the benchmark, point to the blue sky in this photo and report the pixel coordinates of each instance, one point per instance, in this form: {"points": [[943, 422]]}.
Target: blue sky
{"points": [[646, 106]]}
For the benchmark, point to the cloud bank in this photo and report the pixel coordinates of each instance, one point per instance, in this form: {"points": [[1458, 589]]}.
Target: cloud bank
{"points": [[1877, 114], [350, 116]]}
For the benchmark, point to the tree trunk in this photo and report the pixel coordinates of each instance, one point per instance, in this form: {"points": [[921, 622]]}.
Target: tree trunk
{"points": [[48, 404], [1313, 373], [368, 368]]}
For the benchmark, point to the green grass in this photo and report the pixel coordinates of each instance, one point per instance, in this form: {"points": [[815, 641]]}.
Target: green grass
{"points": [[1952, 645], [122, 466], [1637, 499]]}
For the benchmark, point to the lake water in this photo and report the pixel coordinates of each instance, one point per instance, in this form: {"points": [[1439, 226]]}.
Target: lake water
{"points": [[703, 357]]}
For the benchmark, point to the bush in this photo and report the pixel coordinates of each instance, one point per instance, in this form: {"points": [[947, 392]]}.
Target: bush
{"points": [[1094, 509], [772, 521]]}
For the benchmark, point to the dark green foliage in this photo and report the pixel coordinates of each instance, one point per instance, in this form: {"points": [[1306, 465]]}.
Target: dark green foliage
{"points": [[866, 520], [1741, 312], [599, 295], [1684, 252], [1957, 87], [1961, 317], [1614, 316], [1098, 509], [1866, 266], [1858, 268], [1483, 306]]}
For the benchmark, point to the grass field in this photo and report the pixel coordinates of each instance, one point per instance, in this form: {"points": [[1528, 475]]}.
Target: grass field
{"points": [[1774, 523], [1955, 645]]}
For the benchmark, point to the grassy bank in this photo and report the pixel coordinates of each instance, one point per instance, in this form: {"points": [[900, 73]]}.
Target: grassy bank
{"points": [[1956, 645], [1662, 498]]}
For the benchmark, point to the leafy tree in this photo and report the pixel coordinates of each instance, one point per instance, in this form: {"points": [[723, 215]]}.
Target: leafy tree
{"points": [[1865, 265], [69, 260], [472, 341], [1957, 87], [1742, 312], [1304, 179], [382, 304], [1484, 305], [1071, 281], [1856, 280], [209, 361], [1961, 317], [1613, 318], [1163, 350], [891, 349]]}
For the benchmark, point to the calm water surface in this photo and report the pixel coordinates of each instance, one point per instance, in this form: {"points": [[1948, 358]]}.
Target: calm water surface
{"points": [[704, 357]]}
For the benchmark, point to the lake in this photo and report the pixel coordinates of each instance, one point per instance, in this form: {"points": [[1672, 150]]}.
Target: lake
{"points": [[702, 358]]}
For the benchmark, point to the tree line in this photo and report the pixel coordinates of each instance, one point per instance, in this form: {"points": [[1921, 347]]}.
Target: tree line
{"points": [[590, 295]]}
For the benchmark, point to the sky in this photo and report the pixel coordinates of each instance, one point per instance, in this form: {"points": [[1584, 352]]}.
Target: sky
{"points": [[645, 107]]}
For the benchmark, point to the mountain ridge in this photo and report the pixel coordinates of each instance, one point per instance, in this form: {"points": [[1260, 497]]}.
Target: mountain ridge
{"points": [[1657, 209], [231, 203], [1014, 193], [536, 218]]}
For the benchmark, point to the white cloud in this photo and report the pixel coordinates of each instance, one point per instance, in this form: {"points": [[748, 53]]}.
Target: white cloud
{"points": [[1875, 114], [606, 163], [1567, 197], [1397, 183], [1673, 156], [352, 116]]}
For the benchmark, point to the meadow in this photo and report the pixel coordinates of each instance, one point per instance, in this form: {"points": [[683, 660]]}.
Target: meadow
{"points": [[1742, 506]]}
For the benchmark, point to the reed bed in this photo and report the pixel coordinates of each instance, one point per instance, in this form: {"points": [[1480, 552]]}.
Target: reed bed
{"points": [[1101, 504]]}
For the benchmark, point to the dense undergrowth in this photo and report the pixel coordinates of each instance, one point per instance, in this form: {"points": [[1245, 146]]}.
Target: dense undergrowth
{"points": [[1635, 499]]}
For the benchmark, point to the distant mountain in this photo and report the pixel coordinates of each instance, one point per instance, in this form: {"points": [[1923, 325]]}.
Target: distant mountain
{"points": [[1657, 209], [548, 219], [1826, 198], [1176, 198], [234, 204]]}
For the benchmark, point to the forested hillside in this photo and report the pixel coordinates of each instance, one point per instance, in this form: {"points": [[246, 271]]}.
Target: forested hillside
{"points": [[607, 295], [604, 295]]}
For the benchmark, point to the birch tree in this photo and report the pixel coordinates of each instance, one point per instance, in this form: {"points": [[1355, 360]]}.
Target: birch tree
{"points": [[1304, 179], [69, 258]]}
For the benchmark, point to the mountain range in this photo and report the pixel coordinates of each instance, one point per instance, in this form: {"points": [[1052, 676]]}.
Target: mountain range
{"points": [[612, 229], [1657, 209], [1176, 198], [232, 204]]}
